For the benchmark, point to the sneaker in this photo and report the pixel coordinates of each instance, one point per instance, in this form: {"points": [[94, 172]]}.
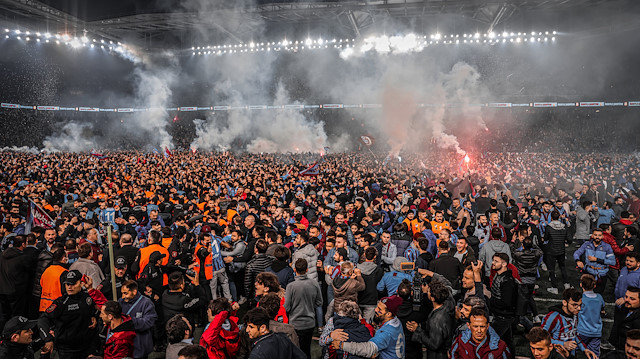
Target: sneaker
{"points": [[244, 300], [567, 286], [552, 290]]}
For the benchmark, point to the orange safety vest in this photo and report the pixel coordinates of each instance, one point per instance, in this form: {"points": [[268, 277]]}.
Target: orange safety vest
{"points": [[208, 263], [436, 227], [412, 225], [145, 253], [166, 242], [50, 283]]}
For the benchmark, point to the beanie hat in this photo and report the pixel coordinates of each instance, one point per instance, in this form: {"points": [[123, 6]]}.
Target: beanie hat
{"points": [[393, 303]]}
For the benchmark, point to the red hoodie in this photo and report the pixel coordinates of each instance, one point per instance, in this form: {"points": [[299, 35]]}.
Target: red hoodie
{"points": [[119, 342], [611, 240], [221, 343]]}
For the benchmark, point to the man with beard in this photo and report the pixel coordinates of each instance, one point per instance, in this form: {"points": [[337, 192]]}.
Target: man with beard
{"points": [[629, 277], [389, 340], [478, 340], [17, 338], [598, 256], [630, 318], [503, 299], [266, 344], [440, 323], [631, 347]]}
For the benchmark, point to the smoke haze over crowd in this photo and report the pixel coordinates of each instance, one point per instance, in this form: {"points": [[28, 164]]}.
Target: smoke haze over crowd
{"points": [[588, 62]]}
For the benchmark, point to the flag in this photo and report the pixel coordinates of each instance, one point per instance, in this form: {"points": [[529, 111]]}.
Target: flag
{"points": [[99, 156], [167, 153], [155, 151], [37, 217], [312, 170], [286, 175], [367, 140]]}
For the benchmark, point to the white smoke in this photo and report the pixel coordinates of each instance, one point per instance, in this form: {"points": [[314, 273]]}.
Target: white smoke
{"points": [[73, 137], [22, 149], [153, 91], [280, 130]]}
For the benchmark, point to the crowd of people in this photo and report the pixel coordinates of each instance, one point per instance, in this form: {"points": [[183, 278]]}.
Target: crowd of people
{"points": [[222, 255]]}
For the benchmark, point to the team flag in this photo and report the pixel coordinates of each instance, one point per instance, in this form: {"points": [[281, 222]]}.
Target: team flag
{"points": [[312, 170]]}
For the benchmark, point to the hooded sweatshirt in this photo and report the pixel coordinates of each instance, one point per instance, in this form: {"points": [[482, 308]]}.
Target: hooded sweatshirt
{"points": [[346, 288], [119, 342], [391, 280], [371, 273], [310, 254], [563, 327]]}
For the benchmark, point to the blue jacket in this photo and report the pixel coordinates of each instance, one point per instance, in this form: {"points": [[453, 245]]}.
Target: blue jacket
{"points": [[391, 280], [589, 320], [431, 237], [625, 280], [605, 216], [143, 315], [602, 252]]}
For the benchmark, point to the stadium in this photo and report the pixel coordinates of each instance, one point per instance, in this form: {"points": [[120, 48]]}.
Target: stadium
{"points": [[248, 179]]}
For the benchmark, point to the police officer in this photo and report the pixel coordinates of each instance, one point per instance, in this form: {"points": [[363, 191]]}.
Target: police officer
{"points": [[120, 265], [74, 319], [17, 338]]}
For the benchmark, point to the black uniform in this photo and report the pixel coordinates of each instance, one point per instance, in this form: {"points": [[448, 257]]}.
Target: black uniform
{"points": [[187, 303], [70, 317], [9, 350], [106, 286]]}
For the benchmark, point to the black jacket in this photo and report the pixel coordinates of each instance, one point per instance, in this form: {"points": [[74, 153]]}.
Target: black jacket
{"points": [[187, 303], [70, 317], [555, 236], [526, 261], [449, 267], [257, 265], [406, 313], [438, 331], [9, 350], [15, 267], [44, 260], [503, 295], [371, 274], [275, 345], [630, 321]]}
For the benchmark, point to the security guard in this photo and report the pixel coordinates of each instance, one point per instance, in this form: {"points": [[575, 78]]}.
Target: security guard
{"points": [[120, 265], [52, 278], [16, 339], [74, 318], [144, 254]]}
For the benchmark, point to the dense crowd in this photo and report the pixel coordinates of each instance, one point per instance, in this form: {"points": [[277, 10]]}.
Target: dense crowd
{"points": [[370, 256]]}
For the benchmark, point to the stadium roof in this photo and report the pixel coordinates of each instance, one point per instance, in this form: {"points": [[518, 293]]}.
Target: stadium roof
{"points": [[177, 24]]}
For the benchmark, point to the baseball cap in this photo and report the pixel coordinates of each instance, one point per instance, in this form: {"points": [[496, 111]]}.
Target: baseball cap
{"points": [[120, 262], [156, 256], [17, 324], [72, 277], [393, 303]]}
